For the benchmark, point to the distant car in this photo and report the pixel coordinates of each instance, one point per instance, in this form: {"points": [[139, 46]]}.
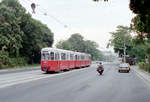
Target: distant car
{"points": [[124, 67]]}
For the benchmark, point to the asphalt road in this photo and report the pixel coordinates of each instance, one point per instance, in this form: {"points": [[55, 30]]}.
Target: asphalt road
{"points": [[81, 85]]}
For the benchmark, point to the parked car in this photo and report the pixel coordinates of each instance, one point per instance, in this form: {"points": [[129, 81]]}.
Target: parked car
{"points": [[124, 67]]}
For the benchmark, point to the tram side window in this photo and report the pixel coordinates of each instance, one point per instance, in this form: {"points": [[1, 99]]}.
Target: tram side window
{"points": [[71, 56], [52, 56], [67, 57], [76, 57], [56, 56], [82, 57], [85, 57], [63, 56]]}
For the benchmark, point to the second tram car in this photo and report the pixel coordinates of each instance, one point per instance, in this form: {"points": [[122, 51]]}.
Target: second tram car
{"points": [[53, 59]]}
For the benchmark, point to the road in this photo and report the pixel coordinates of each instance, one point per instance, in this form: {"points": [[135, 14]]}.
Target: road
{"points": [[80, 85]]}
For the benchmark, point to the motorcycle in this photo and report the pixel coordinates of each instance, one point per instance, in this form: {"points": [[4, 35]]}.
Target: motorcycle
{"points": [[100, 70]]}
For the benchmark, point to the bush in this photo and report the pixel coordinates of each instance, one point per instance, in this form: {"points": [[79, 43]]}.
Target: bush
{"points": [[142, 65], [13, 62], [5, 61], [148, 67], [4, 57]]}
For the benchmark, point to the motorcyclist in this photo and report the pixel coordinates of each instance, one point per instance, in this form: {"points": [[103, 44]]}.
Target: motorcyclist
{"points": [[100, 68]]}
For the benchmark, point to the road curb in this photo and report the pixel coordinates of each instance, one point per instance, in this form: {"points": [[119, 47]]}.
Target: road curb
{"points": [[2, 71], [144, 75]]}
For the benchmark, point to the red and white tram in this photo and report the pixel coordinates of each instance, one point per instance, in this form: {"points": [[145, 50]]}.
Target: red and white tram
{"points": [[53, 59]]}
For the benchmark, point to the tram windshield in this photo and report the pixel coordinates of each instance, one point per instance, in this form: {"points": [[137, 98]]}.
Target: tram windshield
{"points": [[45, 55]]}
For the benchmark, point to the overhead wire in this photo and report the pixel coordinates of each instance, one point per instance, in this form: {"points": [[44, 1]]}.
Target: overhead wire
{"points": [[46, 14], [43, 12]]}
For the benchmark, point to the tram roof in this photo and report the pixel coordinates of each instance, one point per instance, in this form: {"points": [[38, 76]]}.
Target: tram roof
{"points": [[62, 50]]}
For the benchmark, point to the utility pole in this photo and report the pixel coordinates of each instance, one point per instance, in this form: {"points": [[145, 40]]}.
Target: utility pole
{"points": [[124, 50]]}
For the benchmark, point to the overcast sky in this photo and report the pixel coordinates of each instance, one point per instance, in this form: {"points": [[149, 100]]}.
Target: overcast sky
{"points": [[92, 20]]}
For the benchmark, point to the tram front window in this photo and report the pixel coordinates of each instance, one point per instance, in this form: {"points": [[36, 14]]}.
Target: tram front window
{"points": [[45, 56]]}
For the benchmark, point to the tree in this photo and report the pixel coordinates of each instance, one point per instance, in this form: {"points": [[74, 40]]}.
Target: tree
{"points": [[21, 36], [36, 36], [140, 6], [10, 32], [133, 49], [91, 47], [141, 22], [122, 34], [64, 45], [77, 43]]}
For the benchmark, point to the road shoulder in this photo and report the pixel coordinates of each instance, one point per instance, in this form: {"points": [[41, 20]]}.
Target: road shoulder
{"points": [[14, 70], [141, 73]]}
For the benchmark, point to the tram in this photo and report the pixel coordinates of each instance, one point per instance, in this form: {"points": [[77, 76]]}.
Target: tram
{"points": [[53, 59]]}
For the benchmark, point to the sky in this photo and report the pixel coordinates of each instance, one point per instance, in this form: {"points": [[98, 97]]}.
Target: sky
{"points": [[94, 21]]}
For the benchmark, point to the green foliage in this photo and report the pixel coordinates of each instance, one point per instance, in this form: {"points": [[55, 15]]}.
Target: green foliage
{"points": [[77, 43], [122, 34], [141, 24], [141, 21], [6, 61], [10, 32], [91, 47], [36, 36], [64, 45], [21, 36], [138, 51], [3, 59], [140, 6], [144, 66], [20, 61], [133, 49]]}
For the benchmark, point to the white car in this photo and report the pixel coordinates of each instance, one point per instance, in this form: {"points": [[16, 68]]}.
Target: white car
{"points": [[124, 67]]}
